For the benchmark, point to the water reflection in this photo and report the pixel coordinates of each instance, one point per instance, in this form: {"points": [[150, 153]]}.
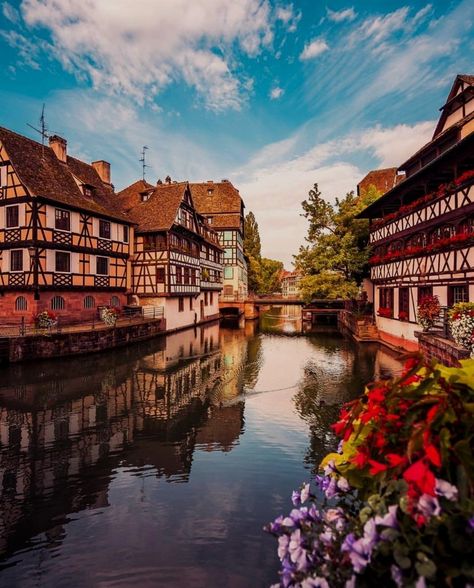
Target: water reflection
{"points": [[159, 464]]}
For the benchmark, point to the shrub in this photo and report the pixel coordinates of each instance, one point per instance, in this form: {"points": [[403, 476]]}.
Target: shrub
{"points": [[395, 504], [461, 322], [45, 319], [109, 315]]}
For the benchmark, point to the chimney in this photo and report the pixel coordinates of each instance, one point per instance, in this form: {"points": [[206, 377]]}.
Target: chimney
{"points": [[103, 169], [59, 146]]}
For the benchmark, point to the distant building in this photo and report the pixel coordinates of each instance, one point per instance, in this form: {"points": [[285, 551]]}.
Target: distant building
{"points": [[290, 284], [177, 263], [221, 204], [422, 229], [64, 243], [382, 180]]}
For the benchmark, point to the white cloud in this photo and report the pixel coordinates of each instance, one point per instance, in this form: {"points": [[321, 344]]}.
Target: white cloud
{"points": [[380, 28], [313, 49], [277, 180], [276, 93], [139, 49], [288, 16], [348, 14], [10, 13]]}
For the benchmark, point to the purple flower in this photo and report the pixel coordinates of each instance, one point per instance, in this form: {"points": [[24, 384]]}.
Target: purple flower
{"points": [[428, 506], [336, 517], [300, 496], [446, 490], [420, 583], [283, 543], [470, 523], [351, 583], [297, 551], [360, 550], [326, 536], [304, 493], [389, 519], [339, 447], [331, 490], [396, 574], [296, 498], [343, 484], [330, 468], [275, 527]]}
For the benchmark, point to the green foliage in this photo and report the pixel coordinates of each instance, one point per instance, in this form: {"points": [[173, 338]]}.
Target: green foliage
{"points": [[327, 284], [252, 249], [337, 242], [270, 272]]}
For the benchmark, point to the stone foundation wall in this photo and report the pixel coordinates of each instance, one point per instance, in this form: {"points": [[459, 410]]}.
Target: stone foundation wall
{"points": [[28, 348], [442, 350]]}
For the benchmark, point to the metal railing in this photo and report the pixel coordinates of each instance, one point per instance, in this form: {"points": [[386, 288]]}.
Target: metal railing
{"points": [[128, 315]]}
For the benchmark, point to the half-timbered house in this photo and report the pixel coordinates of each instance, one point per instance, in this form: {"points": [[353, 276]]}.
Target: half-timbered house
{"points": [[64, 244], [178, 260], [422, 230], [222, 206]]}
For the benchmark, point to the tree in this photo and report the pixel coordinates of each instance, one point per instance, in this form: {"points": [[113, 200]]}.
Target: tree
{"points": [[337, 252], [252, 248], [270, 275]]}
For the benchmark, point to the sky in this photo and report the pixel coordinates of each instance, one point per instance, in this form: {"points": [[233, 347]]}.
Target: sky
{"points": [[272, 95]]}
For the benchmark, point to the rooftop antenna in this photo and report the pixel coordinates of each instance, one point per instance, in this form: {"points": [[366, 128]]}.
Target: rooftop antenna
{"points": [[143, 161], [43, 130]]}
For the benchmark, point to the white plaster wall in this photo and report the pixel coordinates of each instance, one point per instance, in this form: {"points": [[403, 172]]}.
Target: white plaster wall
{"points": [[401, 329]]}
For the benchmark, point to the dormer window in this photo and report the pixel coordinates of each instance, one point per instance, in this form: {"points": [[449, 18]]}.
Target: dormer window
{"points": [[209, 191], [87, 190], [145, 196]]}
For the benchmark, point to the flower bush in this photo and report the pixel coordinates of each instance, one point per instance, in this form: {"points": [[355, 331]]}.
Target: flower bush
{"points": [[109, 315], [461, 322], [395, 504], [386, 312], [428, 311], [442, 191], [45, 320], [402, 315]]}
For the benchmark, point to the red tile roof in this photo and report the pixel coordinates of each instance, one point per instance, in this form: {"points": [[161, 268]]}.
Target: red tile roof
{"points": [[215, 197], [383, 180], [44, 175]]}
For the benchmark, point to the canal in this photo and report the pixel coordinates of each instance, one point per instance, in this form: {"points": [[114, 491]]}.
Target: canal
{"points": [[159, 464]]}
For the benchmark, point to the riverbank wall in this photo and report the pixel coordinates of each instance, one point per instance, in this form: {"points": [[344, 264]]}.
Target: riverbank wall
{"points": [[433, 346]]}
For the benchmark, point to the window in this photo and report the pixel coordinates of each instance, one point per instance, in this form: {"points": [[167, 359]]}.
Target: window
{"points": [[62, 220], [209, 220], [57, 303], [457, 294], [145, 196], [63, 262], [125, 233], [87, 190], [211, 297], [115, 302], [21, 303], [228, 253], [104, 229], [89, 302], [102, 266], [160, 275], [228, 273], [153, 242], [180, 304], [186, 275], [205, 299], [386, 302], [191, 304], [179, 274], [404, 304], [424, 291], [227, 235], [13, 216], [3, 176], [16, 260]]}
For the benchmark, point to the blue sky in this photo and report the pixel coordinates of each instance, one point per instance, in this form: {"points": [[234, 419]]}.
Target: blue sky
{"points": [[273, 95]]}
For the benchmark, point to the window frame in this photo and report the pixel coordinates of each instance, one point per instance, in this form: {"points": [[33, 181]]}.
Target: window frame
{"points": [[68, 213], [451, 288], [20, 252], [104, 223], [160, 273], [15, 207], [181, 304], [404, 302], [107, 263], [67, 256]]}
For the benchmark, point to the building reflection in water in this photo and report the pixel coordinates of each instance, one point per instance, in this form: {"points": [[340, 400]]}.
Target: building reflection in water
{"points": [[65, 426]]}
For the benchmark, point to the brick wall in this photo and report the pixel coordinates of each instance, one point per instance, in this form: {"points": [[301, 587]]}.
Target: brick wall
{"points": [[73, 312], [442, 350]]}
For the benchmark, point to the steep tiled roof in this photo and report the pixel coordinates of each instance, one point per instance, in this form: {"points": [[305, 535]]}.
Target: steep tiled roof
{"points": [[131, 195], [383, 179], [44, 175], [466, 78], [159, 212], [211, 197], [225, 221]]}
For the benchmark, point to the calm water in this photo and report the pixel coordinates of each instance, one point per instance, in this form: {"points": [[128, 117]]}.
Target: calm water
{"points": [[158, 465]]}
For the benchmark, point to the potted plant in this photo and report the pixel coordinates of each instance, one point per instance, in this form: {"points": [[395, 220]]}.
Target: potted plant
{"points": [[109, 315], [461, 323], [45, 319], [428, 311]]}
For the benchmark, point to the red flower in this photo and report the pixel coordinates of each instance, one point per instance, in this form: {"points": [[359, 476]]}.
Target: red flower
{"points": [[395, 460], [360, 459], [433, 455], [431, 415], [420, 476], [376, 467]]}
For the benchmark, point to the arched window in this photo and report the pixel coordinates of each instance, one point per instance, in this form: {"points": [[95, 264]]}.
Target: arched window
{"points": [[466, 226], [89, 302], [21, 303], [57, 303], [115, 301]]}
